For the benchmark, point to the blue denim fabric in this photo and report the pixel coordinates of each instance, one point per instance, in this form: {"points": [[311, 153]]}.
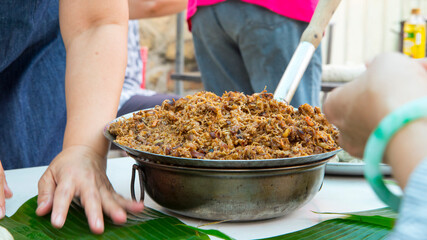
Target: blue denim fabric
{"points": [[244, 47], [32, 92]]}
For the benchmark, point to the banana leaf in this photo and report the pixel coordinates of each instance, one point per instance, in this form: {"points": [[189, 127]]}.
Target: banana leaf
{"points": [[150, 224], [373, 224]]}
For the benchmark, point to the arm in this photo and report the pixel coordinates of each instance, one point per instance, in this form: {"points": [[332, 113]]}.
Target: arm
{"points": [[406, 150], [96, 63], [155, 8], [390, 81], [95, 38]]}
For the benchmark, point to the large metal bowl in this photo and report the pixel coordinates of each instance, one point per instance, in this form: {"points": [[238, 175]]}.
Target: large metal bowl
{"points": [[230, 194], [234, 190]]}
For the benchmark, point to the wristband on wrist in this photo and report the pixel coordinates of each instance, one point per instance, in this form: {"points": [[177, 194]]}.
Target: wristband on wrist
{"points": [[377, 143]]}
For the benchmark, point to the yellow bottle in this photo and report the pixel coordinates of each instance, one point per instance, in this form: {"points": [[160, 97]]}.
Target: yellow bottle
{"points": [[414, 35]]}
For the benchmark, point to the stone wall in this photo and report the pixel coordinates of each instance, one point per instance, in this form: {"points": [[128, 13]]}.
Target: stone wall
{"points": [[159, 36]]}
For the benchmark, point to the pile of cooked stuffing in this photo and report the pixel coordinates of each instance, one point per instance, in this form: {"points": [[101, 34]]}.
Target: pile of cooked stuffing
{"points": [[233, 126]]}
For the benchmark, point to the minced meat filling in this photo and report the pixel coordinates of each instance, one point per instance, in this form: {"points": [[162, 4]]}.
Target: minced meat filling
{"points": [[234, 126]]}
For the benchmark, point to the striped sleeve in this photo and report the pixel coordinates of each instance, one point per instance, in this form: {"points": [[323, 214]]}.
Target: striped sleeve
{"points": [[412, 221]]}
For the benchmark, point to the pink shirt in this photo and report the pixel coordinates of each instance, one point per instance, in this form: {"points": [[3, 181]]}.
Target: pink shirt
{"points": [[296, 9]]}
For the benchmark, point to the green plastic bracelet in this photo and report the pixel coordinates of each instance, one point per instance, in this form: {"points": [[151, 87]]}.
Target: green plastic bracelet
{"points": [[377, 143]]}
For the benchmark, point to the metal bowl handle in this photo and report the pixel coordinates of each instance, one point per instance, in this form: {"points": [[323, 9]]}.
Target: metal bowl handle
{"points": [[141, 175]]}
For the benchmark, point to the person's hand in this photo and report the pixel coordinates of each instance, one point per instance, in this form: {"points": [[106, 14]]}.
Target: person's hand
{"points": [[390, 81], [5, 192], [78, 171], [356, 108]]}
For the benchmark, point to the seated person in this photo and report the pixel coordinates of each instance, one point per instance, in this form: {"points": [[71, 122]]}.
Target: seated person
{"points": [[133, 97]]}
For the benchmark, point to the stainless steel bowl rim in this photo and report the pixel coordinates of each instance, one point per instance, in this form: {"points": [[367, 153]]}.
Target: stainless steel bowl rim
{"points": [[143, 162]]}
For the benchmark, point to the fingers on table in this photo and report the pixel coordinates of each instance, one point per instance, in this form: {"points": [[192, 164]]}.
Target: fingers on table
{"points": [[55, 197], [104, 199], [7, 191], [116, 206], [129, 205], [64, 194], [91, 201], [2, 192], [46, 188], [111, 207], [95, 197]]}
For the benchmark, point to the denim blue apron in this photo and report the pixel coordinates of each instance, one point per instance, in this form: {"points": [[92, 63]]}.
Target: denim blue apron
{"points": [[32, 73]]}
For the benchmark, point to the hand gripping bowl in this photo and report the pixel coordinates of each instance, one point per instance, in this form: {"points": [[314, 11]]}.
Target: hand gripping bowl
{"points": [[233, 190]]}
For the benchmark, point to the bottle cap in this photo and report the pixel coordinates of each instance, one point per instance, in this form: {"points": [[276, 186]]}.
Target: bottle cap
{"points": [[416, 11]]}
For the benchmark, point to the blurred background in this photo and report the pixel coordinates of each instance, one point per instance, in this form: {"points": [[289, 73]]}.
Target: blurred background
{"points": [[359, 30]]}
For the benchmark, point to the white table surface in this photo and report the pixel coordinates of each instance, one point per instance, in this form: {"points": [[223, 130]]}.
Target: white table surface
{"points": [[338, 194]]}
